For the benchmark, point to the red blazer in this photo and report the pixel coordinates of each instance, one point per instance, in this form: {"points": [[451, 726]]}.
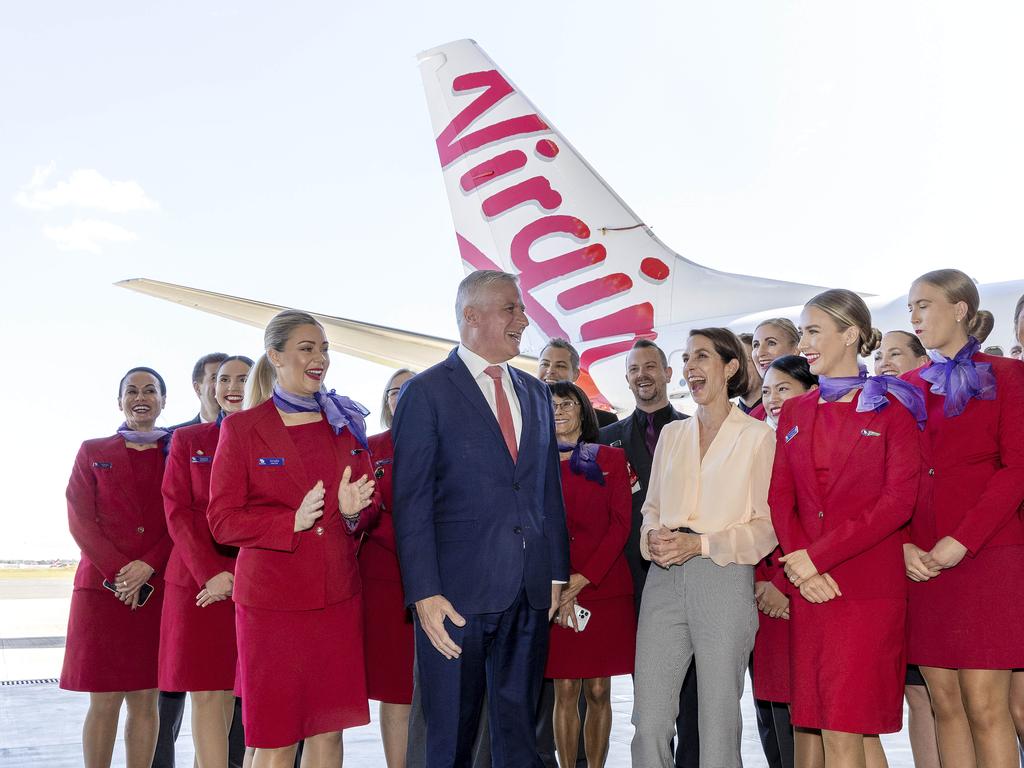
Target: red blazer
{"points": [[196, 557], [258, 482], [974, 481], [107, 517], [598, 518], [378, 557], [852, 529]]}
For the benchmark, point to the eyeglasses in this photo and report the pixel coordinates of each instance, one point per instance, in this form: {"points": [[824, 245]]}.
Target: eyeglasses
{"points": [[393, 392], [565, 405]]}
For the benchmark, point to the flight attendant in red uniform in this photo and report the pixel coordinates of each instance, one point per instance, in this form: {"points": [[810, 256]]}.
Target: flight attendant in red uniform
{"points": [[291, 488], [387, 624], [784, 378], [116, 516], [966, 549], [599, 512], [197, 629], [847, 464]]}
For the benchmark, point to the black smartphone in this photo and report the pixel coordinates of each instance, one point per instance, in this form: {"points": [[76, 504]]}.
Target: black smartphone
{"points": [[145, 591]]}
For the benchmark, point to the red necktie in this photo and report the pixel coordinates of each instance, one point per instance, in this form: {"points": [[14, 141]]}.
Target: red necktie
{"points": [[508, 428]]}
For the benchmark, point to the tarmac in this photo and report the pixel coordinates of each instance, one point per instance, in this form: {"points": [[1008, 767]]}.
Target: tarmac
{"points": [[40, 725]]}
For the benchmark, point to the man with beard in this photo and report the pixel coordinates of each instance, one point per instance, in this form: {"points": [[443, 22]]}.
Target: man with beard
{"points": [[648, 375]]}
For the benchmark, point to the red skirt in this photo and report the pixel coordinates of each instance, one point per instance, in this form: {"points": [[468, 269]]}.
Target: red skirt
{"points": [[848, 664], [389, 642], [109, 646], [197, 645], [607, 647], [301, 672], [771, 659], [970, 616]]}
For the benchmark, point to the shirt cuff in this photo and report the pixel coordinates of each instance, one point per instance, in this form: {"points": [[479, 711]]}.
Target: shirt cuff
{"points": [[556, 581], [705, 548]]}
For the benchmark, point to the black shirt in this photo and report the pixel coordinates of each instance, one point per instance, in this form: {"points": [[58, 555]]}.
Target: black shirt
{"points": [[661, 417], [747, 408]]}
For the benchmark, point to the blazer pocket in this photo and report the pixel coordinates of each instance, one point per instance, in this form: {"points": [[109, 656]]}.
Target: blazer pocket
{"points": [[455, 530]]}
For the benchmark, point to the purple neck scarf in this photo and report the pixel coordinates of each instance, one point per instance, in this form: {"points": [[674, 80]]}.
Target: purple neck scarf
{"points": [[873, 398], [584, 460], [340, 411], [961, 378], [142, 438]]}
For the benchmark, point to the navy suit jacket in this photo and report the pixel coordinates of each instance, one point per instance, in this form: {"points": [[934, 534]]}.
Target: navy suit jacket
{"points": [[470, 523]]}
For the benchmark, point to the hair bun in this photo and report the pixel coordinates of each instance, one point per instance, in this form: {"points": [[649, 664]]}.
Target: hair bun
{"points": [[872, 343], [981, 325]]}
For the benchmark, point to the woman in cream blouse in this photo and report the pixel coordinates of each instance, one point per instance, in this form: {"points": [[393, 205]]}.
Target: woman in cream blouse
{"points": [[706, 523]]}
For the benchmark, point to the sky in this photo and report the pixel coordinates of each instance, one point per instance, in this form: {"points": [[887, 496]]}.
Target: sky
{"points": [[283, 152]]}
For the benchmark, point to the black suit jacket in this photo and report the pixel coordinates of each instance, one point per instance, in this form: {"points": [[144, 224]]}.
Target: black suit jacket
{"points": [[626, 434], [191, 422], [605, 418]]}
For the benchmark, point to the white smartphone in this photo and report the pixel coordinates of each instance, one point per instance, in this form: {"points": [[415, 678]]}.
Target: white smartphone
{"points": [[582, 617]]}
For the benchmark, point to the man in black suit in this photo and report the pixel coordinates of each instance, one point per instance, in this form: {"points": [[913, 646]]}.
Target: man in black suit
{"points": [[648, 375], [559, 361], [172, 703]]}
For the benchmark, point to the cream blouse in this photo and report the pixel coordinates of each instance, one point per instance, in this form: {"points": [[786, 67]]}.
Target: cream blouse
{"points": [[724, 497]]}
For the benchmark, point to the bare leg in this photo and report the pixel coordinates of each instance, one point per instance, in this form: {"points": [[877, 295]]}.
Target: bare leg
{"points": [[843, 750], [986, 694], [140, 728], [99, 732], [874, 755], [322, 750], [921, 725], [567, 721], [952, 729], [808, 749], [250, 755], [598, 727], [394, 732], [1017, 703], [211, 720], [282, 757]]}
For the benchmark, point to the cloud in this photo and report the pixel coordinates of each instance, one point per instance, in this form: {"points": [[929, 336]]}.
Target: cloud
{"points": [[87, 235], [84, 188]]}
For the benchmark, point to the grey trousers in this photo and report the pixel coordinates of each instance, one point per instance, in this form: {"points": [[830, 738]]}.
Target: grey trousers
{"points": [[697, 610]]}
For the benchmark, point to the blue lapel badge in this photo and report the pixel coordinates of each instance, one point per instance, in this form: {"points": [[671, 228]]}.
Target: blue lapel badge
{"points": [[274, 461], [102, 464], [792, 433], [200, 459]]}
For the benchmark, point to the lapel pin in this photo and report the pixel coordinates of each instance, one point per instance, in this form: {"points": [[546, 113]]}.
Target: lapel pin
{"points": [[870, 433], [792, 433]]}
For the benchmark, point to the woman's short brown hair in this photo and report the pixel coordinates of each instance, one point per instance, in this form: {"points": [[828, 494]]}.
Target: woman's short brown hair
{"points": [[728, 347]]}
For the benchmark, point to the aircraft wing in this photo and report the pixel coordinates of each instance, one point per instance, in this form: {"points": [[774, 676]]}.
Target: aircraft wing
{"points": [[377, 343]]}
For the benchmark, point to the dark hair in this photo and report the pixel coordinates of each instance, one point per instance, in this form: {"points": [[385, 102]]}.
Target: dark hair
{"points": [[746, 338], [648, 344], [142, 369], [588, 420], [916, 347], [574, 356], [232, 358], [796, 367], [728, 347], [199, 369], [958, 286]]}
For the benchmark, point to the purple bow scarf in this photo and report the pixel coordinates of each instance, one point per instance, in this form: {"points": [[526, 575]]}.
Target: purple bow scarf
{"points": [[873, 394], [961, 378], [341, 412], [583, 460], [142, 438]]}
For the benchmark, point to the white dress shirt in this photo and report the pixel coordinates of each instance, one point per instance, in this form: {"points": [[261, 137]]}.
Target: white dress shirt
{"points": [[476, 366]]}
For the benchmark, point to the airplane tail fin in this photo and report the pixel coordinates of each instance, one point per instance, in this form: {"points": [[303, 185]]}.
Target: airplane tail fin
{"points": [[523, 200]]}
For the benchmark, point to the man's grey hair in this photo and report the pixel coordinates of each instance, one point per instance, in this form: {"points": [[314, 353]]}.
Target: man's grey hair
{"points": [[574, 356], [473, 284]]}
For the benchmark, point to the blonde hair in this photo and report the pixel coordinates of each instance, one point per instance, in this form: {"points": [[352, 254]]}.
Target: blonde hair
{"points": [[260, 384], [958, 286], [385, 408], [849, 311], [785, 325]]}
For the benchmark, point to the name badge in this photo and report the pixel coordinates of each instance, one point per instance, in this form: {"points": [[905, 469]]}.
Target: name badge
{"points": [[869, 433], [202, 459], [272, 461], [616, 443], [102, 465], [792, 433]]}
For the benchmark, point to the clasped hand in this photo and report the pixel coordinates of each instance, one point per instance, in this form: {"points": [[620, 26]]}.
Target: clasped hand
{"points": [[129, 581], [770, 600], [799, 567], [922, 566], [216, 589], [669, 547]]}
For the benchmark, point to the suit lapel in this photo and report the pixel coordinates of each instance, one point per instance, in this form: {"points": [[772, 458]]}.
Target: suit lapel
{"points": [[471, 391], [851, 436], [527, 439], [274, 435], [801, 445], [121, 463]]}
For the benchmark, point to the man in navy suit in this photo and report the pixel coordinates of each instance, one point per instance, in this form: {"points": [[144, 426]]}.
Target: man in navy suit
{"points": [[480, 528]]}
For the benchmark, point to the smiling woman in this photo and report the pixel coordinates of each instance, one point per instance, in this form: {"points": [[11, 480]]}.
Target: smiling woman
{"points": [[116, 515]]}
